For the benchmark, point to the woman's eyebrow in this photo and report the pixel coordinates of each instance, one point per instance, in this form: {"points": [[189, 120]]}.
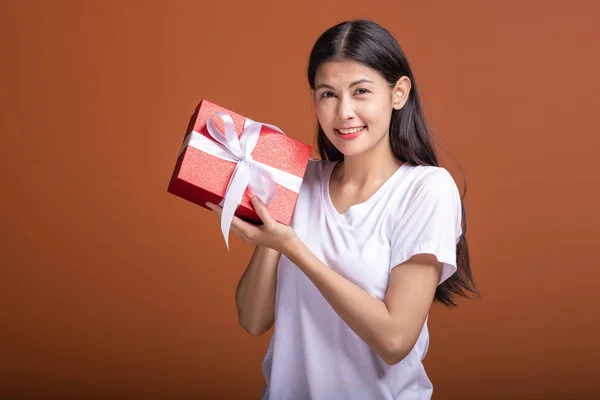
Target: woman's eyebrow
{"points": [[358, 82]]}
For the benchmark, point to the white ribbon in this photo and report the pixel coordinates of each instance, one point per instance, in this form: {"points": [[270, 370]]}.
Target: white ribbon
{"points": [[248, 173]]}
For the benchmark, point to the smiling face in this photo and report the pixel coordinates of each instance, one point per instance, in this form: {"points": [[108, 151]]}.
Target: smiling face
{"points": [[354, 105]]}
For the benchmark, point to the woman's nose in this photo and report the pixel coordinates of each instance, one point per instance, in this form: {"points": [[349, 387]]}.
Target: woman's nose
{"points": [[345, 110]]}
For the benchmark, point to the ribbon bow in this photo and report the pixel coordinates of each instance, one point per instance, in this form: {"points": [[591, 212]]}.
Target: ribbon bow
{"points": [[260, 178]]}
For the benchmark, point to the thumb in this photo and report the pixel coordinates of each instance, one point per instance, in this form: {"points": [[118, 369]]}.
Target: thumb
{"points": [[261, 210]]}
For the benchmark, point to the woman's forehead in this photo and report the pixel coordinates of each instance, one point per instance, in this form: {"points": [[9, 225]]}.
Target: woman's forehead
{"points": [[345, 72]]}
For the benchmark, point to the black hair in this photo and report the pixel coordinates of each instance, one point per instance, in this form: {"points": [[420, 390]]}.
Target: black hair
{"points": [[370, 44]]}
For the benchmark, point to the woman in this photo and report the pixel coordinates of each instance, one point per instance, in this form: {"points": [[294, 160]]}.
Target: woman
{"points": [[377, 236]]}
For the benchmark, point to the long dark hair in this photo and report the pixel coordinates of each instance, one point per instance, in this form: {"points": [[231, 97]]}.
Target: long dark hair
{"points": [[370, 44]]}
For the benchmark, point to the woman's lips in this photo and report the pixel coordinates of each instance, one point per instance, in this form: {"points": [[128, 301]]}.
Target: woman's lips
{"points": [[349, 136]]}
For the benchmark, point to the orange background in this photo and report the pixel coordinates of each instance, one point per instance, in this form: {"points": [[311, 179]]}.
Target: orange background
{"points": [[112, 287]]}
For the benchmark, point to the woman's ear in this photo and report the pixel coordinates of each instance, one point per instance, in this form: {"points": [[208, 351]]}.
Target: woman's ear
{"points": [[400, 92]]}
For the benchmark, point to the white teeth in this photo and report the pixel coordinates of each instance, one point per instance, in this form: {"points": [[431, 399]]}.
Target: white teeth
{"points": [[352, 130]]}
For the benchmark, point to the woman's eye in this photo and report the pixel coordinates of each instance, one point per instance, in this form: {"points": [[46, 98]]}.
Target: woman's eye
{"points": [[362, 91], [327, 95]]}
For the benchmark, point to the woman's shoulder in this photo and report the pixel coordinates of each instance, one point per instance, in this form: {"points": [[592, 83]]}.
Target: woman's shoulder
{"points": [[425, 175], [319, 162], [316, 167], [432, 180]]}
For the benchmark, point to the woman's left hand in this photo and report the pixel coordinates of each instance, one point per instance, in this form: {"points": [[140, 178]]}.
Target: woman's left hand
{"points": [[271, 234]]}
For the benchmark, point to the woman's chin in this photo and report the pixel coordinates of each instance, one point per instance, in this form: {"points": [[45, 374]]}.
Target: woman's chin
{"points": [[350, 151]]}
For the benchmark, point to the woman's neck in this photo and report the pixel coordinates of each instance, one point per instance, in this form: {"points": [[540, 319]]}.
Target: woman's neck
{"points": [[373, 167]]}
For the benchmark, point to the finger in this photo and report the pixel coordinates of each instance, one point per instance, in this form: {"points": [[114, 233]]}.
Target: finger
{"points": [[237, 231], [216, 209], [244, 228], [238, 226], [261, 210]]}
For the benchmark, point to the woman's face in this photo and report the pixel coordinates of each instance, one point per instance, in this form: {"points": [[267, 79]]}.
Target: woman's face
{"points": [[354, 105]]}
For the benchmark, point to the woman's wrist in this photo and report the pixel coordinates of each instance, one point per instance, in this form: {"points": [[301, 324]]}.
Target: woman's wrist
{"points": [[291, 247]]}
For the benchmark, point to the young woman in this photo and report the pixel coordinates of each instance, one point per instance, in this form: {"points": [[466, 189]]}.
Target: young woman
{"points": [[377, 236]]}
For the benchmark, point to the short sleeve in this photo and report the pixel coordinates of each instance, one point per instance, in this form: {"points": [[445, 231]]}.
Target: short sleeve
{"points": [[429, 223]]}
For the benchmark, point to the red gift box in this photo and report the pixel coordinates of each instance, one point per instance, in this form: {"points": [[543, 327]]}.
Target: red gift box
{"points": [[200, 177]]}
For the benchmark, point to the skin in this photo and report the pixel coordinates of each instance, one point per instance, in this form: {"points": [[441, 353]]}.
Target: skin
{"points": [[390, 327]]}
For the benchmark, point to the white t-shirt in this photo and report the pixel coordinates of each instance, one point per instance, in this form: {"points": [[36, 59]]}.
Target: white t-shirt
{"points": [[313, 354]]}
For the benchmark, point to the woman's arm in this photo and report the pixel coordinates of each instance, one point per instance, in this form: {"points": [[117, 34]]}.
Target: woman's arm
{"points": [[255, 292], [390, 327]]}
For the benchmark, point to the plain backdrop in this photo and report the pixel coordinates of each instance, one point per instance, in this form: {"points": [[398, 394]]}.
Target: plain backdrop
{"points": [[110, 287]]}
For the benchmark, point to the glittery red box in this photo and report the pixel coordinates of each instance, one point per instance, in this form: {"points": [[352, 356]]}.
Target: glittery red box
{"points": [[200, 177]]}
